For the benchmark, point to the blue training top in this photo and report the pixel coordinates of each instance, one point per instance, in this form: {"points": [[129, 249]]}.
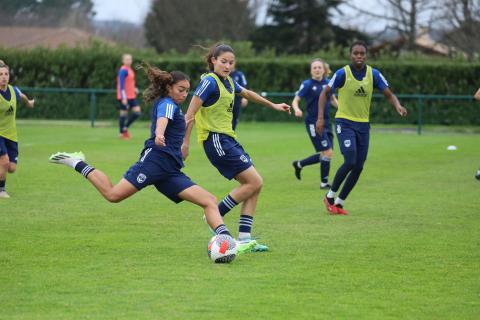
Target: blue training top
{"points": [[208, 90], [6, 94], [238, 77], [338, 79], [310, 90], [175, 131]]}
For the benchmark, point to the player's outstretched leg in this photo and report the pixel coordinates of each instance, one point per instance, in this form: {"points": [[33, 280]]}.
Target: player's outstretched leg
{"points": [[97, 178]]}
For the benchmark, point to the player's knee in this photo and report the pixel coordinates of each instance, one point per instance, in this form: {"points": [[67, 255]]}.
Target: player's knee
{"points": [[210, 201], [123, 113], [12, 167], [328, 153], [113, 197], [4, 161], [257, 184]]}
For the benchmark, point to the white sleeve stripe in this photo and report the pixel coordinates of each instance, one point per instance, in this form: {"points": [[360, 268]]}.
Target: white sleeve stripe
{"points": [[204, 87], [383, 79], [330, 84]]}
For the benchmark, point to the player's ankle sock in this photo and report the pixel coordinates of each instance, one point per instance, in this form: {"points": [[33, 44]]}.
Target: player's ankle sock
{"points": [[121, 123], [83, 168], [2, 185], [133, 116], [331, 194], [245, 225], [325, 169], [242, 236], [339, 202], [222, 229], [227, 204], [310, 160]]}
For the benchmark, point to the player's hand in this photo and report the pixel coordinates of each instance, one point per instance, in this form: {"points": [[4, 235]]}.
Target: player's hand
{"points": [[402, 111], [282, 107], [298, 113], [124, 102], [243, 103], [31, 103], [319, 126], [160, 141], [185, 151]]}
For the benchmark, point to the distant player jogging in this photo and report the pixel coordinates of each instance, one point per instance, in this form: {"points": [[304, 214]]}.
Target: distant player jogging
{"points": [[310, 90], [239, 102], [211, 107], [9, 97], [354, 84], [160, 161], [127, 96]]}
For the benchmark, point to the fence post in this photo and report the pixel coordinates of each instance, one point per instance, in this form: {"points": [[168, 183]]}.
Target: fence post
{"points": [[93, 108], [420, 115]]}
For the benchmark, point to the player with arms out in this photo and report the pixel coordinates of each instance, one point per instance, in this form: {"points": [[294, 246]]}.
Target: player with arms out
{"points": [[127, 96], [239, 102], [211, 107], [160, 161], [9, 97], [354, 84], [310, 90]]}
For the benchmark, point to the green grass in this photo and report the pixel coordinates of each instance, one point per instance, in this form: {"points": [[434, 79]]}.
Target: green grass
{"points": [[408, 250]]}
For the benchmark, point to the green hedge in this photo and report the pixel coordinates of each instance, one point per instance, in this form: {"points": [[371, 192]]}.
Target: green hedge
{"points": [[96, 67]]}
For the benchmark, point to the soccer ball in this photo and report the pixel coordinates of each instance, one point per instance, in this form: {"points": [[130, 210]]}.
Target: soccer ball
{"points": [[477, 175], [222, 248]]}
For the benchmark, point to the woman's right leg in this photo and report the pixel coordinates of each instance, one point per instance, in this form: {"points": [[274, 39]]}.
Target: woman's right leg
{"points": [[112, 193]]}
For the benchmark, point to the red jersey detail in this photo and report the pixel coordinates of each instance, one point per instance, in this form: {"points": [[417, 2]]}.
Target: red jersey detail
{"points": [[129, 84]]}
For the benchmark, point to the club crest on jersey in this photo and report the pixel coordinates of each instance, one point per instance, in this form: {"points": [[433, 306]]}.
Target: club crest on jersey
{"points": [[360, 92], [347, 143], [314, 88], [244, 158], [324, 143], [339, 129], [141, 178]]}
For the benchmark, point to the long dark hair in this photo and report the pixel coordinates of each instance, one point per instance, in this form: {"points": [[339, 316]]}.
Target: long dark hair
{"points": [[159, 81], [215, 51]]}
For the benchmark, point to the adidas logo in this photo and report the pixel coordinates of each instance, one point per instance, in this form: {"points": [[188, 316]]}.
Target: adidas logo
{"points": [[9, 111], [360, 92]]}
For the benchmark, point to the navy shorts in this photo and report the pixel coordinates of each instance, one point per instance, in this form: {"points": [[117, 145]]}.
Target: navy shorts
{"points": [[226, 154], [159, 169], [10, 148], [320, 142], [130, 104], [353, 137]]}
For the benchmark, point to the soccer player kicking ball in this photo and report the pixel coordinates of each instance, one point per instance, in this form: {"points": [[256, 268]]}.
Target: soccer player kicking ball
{"points": [[354, 84], [211, 107], [161, 159], [9, 96]]}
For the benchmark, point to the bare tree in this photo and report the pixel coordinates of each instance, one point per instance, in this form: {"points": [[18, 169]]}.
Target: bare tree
{"points": [[403, 16], [460, 22]]}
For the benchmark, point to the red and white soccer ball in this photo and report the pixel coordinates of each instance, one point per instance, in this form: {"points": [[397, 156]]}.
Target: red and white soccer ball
{"points": [[222, 248]]}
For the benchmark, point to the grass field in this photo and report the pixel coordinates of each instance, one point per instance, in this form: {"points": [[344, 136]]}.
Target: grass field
{"points": [[408, 250]]}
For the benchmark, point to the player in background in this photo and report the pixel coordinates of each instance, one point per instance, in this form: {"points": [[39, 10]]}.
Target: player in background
{"points": [[310, 90], [127, 96], [160, 161], [354, 84], [9, 97], [239, 102], [477, 97], [211, 107]]}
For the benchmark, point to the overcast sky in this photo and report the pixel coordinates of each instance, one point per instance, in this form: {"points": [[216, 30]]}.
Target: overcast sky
{"points": [[135, 11]]}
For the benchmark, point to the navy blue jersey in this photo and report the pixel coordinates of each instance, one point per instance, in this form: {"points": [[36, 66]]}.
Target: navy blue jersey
{"points": [[239, 78], [208, 90], [6, 94], [338, 79], [167, 108], [310, 91]]}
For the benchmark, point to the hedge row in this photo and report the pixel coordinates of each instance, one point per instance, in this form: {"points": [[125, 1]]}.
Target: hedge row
{"points": [[96, 67]]}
